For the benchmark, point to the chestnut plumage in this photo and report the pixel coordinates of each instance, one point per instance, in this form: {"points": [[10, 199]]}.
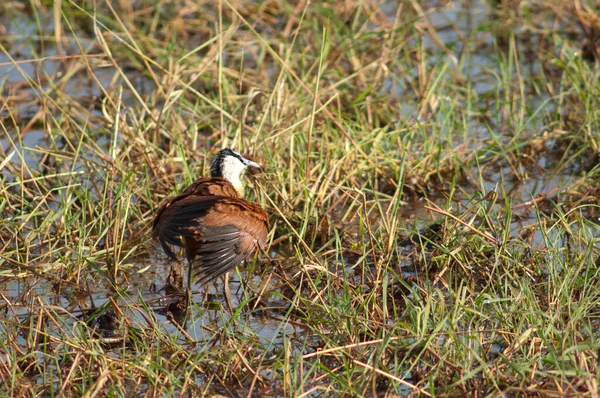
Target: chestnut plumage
{"points": [[215, 226]]}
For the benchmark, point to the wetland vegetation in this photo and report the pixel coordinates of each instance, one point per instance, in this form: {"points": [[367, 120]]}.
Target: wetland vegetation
{"points": [[431, 170]]}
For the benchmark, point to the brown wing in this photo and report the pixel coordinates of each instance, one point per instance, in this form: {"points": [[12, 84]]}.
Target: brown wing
{"points": [[203, 186], [219, 232]]}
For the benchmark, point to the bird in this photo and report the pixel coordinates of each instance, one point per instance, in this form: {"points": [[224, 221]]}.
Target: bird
{"points": [[210, 220]]}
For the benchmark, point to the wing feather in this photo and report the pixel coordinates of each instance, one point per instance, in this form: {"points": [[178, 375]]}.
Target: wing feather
{"points": [[217, 232]]}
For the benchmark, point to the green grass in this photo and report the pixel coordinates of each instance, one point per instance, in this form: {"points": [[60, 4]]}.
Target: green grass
{"points": [[431, 174]]}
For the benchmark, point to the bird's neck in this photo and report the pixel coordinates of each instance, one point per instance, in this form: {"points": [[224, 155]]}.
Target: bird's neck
{"points": [[236, 180]]}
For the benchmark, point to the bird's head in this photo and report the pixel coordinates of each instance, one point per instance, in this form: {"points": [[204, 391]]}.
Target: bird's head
{"points": [[231, 165]]}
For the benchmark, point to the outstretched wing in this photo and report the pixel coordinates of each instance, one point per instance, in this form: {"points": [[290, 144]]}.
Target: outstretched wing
{"points": [[217, 232], [199, 189], [178, 218]]}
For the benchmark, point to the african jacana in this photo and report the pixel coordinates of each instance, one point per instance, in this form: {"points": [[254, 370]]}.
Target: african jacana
{"points": [[215, 226]]}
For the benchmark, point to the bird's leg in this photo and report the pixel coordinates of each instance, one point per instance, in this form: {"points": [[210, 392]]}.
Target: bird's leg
{"points": [[189, 283], [227, 292], [189, 278], [190, 253]]}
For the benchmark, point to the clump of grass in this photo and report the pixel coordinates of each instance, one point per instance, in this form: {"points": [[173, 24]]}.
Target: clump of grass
{"points": [[431, 173]]}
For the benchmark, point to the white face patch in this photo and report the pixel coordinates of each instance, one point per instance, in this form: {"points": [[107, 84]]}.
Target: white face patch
{"points": [[232, 169]]}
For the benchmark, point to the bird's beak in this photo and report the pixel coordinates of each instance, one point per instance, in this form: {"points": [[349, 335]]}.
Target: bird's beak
{"points": [[250, 163]]}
